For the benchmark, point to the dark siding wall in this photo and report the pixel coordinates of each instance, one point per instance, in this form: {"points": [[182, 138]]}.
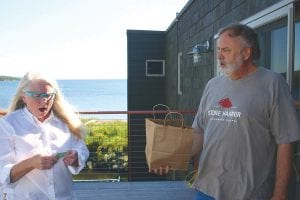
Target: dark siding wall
{"points": [[143, 93]]}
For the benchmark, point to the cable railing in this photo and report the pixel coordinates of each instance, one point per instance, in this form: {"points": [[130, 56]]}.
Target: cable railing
{"points": [[116, 140], [117, 145]]}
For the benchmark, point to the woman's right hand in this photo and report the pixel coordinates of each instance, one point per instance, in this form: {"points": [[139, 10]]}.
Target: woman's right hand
{"points": [[43, 162], [35, 162]]}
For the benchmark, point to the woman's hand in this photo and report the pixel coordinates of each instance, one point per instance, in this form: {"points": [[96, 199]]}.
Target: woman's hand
{"points": [[35, 162], [71, 158], [43, 162]]}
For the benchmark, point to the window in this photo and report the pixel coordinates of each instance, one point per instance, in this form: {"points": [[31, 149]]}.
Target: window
{"points": [[273, 44], [155, 68], [279, 34], [276, 36]]}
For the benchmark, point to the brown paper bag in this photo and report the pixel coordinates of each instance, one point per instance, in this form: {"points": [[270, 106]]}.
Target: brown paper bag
{"points": [[168, 143]]}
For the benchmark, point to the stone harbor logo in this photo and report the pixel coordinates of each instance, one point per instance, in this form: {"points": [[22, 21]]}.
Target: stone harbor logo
{"points": [[225, 103], [224, 111]]}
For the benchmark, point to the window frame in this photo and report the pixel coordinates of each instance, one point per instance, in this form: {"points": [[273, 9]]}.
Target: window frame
{"points": [[179, 73], [152, 74], [282, 9]]}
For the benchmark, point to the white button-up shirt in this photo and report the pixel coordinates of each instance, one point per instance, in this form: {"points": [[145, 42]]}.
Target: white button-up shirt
{"points": [[21, 137]]}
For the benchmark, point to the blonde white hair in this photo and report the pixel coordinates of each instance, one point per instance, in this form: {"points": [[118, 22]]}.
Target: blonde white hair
{"points": [[61, 108]]}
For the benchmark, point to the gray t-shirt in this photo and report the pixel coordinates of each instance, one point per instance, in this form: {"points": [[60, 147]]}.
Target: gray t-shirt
{"points": [[243, 121]]}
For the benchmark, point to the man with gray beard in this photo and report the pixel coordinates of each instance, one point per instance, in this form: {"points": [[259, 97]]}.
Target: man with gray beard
{"points": [[246, 125], [245, 156]]}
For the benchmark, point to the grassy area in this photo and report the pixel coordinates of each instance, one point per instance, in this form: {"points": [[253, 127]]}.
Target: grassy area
{"points": [[86, 175], [107, 143]]}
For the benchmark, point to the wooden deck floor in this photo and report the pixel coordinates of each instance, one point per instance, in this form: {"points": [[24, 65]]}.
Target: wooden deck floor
{"points": [[155, 190]]}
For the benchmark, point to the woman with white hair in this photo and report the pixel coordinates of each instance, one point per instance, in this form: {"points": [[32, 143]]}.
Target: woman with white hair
{"points": [[41, 140]]}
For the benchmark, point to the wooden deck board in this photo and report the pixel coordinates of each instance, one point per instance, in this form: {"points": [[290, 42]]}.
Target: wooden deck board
{"points": [[155, 190]]}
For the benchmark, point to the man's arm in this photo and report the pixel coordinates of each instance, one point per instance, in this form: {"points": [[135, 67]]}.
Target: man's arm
{"points": [[197, 148], [283, 171]]}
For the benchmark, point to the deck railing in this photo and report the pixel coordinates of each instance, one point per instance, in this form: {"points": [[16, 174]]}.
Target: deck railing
{"points": [[125, 162], [135, 167], [107, 161]]}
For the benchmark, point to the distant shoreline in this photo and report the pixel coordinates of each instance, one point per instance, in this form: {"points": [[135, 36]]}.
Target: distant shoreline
{"points": [[9, 78]]}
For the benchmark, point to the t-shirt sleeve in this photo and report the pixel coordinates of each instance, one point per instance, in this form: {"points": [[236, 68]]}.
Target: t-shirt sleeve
{"points": [[198, 123], [284, 120]]}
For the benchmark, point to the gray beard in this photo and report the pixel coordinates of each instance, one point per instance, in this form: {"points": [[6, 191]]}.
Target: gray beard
{"points": [[229, 69]]}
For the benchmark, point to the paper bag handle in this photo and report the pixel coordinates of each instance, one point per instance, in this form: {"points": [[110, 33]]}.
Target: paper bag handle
{"points": [[161, 105], [175, 113]]}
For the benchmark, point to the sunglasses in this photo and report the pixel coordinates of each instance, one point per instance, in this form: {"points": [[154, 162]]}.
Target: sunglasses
{"points": [[37, 95]]}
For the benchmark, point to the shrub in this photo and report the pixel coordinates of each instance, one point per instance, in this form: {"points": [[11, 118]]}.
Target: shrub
{"points": [[107, 143]]}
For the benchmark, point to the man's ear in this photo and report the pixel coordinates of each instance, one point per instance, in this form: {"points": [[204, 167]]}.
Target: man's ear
{"points": [[247, 52]]}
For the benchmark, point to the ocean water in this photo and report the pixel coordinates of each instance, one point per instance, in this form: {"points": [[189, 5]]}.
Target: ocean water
{"points": [[84, 95]]}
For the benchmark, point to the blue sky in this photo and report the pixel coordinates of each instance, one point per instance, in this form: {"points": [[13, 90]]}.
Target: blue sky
{"points": [[71, 39]]}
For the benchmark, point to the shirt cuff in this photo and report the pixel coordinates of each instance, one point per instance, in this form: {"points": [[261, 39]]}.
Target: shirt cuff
{"points": [[5, 174], [81, 163]]}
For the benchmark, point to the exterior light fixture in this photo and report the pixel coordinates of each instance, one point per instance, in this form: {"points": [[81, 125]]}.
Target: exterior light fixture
{"points": [[198, 49]]}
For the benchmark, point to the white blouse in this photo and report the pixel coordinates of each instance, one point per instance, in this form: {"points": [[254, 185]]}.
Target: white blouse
{"points": [[21, 137]]}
